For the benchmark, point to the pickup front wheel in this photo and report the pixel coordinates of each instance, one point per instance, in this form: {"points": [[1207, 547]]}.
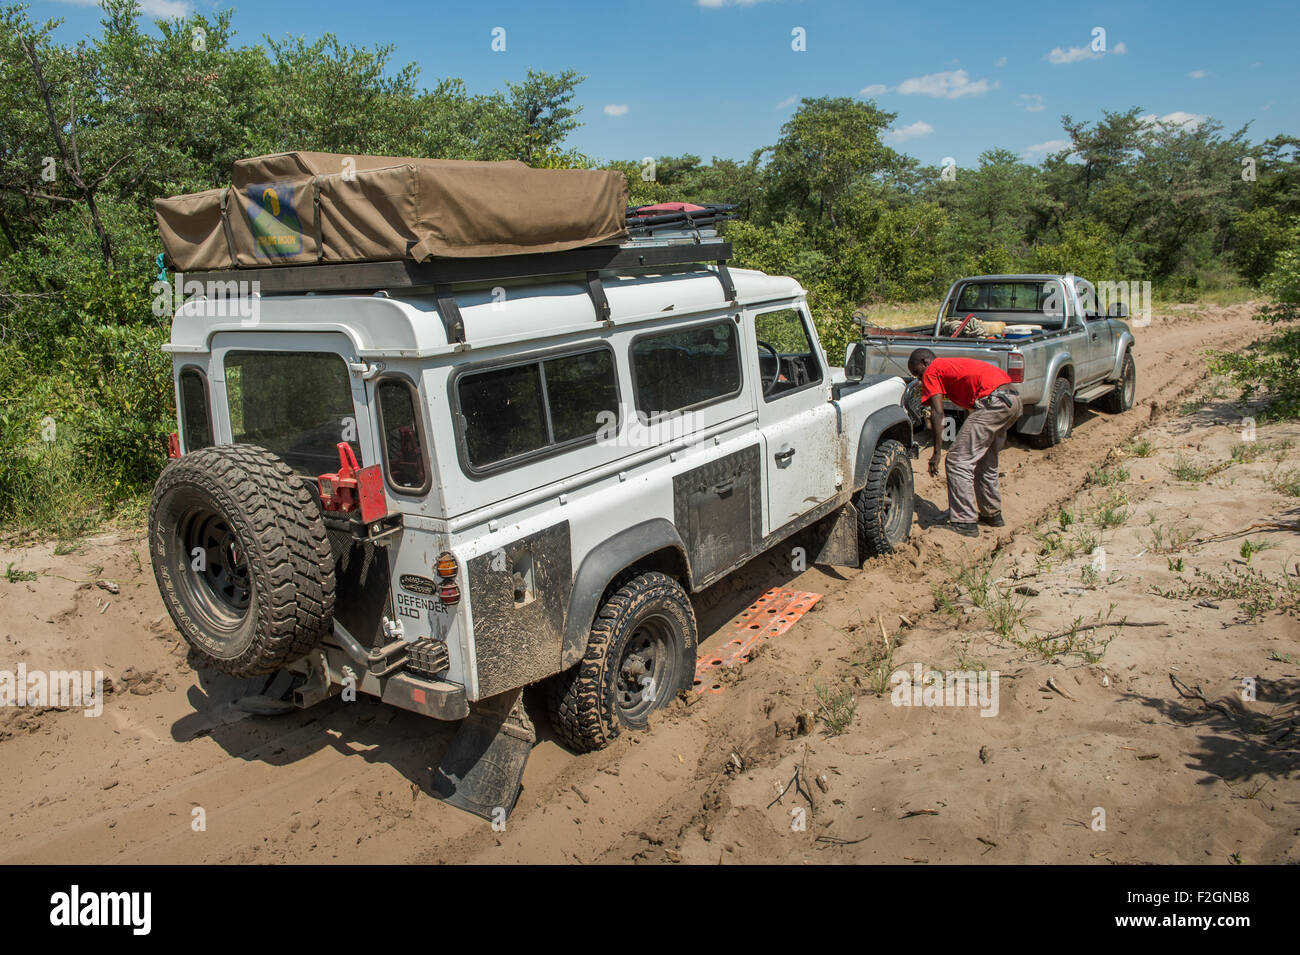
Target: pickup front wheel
{"points": [[1121, 399], [885, 505]]}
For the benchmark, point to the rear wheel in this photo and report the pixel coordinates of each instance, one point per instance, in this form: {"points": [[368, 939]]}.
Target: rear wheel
{"points": [[641, 651], [885, 504], [241, 558], [1060, 416], [1122, 398]]}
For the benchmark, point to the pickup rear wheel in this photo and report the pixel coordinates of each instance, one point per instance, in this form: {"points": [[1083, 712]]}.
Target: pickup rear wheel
{"points": [[641, 651], [1060, 416], [1121, 399], [885, 504]]}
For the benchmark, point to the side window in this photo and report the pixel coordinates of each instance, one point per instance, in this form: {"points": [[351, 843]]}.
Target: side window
{"points": [[196, 421], [685, 367], [399, 426], [295, 404], [787, 360], [526, 409]]}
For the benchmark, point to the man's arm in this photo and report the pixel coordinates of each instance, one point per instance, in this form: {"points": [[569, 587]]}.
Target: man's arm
{"points": [[936, 432]]}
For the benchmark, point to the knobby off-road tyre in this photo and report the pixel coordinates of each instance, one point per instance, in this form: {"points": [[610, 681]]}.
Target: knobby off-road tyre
{"points": [[885, 504], [1121, 399], [241, 558], [1060, 416], [644, 631]]}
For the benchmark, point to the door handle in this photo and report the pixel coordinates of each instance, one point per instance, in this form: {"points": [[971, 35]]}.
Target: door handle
{"points": [[1094, 336], [785, 455], [724, 488]]}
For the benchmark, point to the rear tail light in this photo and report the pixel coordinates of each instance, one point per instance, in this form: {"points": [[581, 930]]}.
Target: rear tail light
{"points": [[1016, 366], [446, 565], [449, 593]]}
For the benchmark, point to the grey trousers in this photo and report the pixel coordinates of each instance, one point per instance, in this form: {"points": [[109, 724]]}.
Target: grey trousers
{"points": [[972, 461]]}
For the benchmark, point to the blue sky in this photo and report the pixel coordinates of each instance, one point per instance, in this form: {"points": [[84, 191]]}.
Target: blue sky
{"points": [[719, 77]]}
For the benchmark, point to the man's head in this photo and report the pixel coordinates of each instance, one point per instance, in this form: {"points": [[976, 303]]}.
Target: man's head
{"points": [[919, 361]]}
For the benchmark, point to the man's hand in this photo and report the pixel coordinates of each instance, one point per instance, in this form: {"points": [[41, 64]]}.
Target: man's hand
{"points": [[934, 463]]}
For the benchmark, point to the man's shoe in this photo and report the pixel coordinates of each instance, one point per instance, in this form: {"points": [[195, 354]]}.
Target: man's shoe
{"points": [[962, 528], [993, 520]]}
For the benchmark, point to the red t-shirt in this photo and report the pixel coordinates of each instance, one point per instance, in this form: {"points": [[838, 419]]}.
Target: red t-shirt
{"points": [[962, 380]]}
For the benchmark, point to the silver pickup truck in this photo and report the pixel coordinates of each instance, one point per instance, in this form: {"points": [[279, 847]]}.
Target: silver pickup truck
{"points": [[1045, 331]]}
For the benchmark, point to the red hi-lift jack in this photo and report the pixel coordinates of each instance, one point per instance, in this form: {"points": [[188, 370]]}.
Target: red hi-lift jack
{"points": [[353, 487]]}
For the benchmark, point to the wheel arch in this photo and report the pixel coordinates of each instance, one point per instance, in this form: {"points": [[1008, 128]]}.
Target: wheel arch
{"points": [[881, 425], [651, 545]]}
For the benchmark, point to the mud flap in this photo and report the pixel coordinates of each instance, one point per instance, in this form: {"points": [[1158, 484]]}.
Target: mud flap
{"points": [[839, 538], [268, 695], [483, 769]]}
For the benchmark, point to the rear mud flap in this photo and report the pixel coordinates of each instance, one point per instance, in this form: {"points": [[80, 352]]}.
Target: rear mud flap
{"points": [[483, 769], [838, 538]]}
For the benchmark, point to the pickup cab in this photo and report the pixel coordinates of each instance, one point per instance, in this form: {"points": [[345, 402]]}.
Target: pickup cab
{"points": [[1045, 331]]}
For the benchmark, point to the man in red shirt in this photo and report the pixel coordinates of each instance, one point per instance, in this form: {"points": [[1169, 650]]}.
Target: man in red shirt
{"points": [[986, 392]]}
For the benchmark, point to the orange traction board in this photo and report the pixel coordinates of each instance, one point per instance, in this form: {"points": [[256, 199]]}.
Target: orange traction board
{"points": [[769, 616]]}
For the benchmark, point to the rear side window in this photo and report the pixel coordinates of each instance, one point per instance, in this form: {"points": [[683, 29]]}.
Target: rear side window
{"points": [[196, 421], [524, 410], [295, 404], [685, 367], [400, 426]]}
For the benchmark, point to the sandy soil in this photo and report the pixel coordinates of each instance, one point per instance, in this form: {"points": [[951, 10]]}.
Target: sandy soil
{"points": [[1130, 743]]}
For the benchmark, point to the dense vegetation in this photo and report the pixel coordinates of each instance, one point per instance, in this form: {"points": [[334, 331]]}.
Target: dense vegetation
{"points": [[94, 132]]}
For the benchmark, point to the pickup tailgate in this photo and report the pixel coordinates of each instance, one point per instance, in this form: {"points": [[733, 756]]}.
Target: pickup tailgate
{"points": [[887, 354]]}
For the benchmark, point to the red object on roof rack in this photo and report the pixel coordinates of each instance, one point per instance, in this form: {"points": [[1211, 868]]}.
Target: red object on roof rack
{"points": [[667, 207]]}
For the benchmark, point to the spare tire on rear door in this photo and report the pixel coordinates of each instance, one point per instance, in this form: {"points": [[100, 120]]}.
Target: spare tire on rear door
{"points": [[242, 559]]}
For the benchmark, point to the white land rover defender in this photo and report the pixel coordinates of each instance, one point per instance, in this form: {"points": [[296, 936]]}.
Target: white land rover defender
{"points": [[440, 483]]}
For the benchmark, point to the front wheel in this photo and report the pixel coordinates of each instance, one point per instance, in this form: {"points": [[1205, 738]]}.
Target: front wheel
{"points": [[885, 504], [1121, 399], [641, 651]]}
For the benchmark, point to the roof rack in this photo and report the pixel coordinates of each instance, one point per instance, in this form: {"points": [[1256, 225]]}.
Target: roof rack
{"points": [[636, 254]]}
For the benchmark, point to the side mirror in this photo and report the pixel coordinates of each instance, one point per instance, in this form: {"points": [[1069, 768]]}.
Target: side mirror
{"points": [[855, 362], [1118, 310]]}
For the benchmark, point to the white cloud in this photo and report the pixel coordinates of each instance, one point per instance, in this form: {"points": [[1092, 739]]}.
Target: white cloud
{"points": [[1198, 74], [616, 109], [949, 85], [1077, 54], [1178, 117], [162, 9], [1031, 102], [1051, 146], [787, 102], [1073, 55], [910, 131], [875, 89], [1002, 61]]}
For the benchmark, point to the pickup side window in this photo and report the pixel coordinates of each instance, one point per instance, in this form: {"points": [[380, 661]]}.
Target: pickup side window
{"points": [[785, 350], [297, 405], [524, 410], [196, 421], [685, 368], [401, 431]]}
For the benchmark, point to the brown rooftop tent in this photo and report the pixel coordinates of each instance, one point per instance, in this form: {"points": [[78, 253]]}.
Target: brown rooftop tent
{"points": [[303, 208]]}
